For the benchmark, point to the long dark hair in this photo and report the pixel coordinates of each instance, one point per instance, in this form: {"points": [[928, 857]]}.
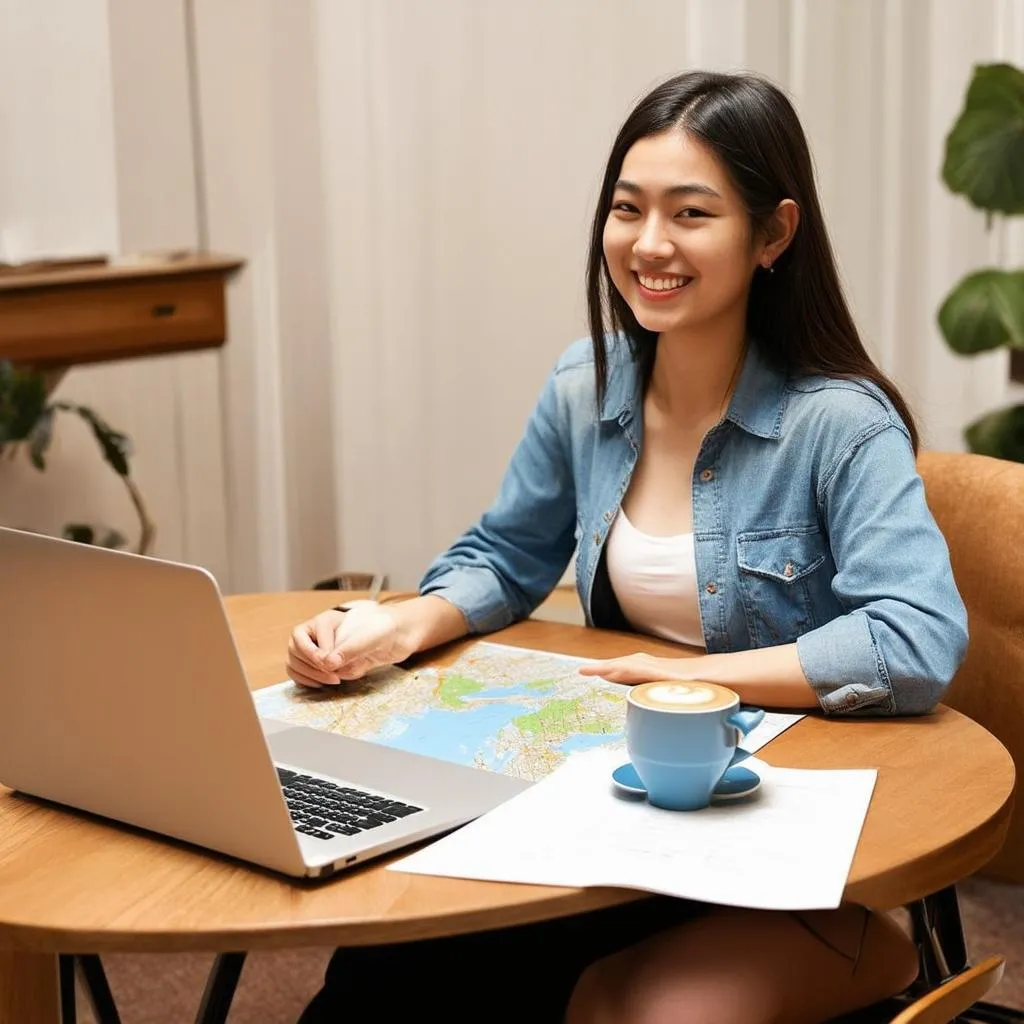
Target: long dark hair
{"points": [[798, 314]]}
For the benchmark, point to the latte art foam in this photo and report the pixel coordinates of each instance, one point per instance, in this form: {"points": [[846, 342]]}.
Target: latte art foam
{"points": [[673, 696]]}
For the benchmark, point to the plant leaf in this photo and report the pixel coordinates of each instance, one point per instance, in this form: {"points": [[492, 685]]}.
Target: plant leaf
{"points": [[22, 400], [984, 311], [116, 447], [40, 438], [83, 533], [999, 434], [985, 148]]}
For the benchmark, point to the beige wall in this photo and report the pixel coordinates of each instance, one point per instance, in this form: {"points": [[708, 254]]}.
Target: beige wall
{"points": [[410, 182]]}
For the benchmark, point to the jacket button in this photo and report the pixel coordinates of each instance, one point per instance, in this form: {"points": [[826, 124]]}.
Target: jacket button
{"points": [[707, 475], [788, 571], [712, 588]]}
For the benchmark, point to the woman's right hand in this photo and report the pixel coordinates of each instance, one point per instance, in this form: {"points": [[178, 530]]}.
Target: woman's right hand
{"points": [[335, 646]]}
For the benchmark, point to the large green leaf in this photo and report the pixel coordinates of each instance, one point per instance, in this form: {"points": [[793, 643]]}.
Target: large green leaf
{"points": [[1000, 434], [985, 311], [985, 147]]}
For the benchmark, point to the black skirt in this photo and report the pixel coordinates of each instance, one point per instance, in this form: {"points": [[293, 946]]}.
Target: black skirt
{"points": [[523, 973]]}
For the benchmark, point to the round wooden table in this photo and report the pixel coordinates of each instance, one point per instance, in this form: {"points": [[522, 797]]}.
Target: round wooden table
{"points": [[70, 883]]}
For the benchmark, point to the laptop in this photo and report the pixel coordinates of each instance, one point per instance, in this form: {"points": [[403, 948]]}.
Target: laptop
{"points": [[122, 694]]}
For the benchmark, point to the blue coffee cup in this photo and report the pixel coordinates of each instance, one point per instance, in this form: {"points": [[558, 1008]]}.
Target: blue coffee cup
{"points": [[681, 738]]}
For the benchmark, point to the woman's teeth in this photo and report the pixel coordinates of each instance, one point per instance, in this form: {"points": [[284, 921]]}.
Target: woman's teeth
{"points": [[662, 284]]}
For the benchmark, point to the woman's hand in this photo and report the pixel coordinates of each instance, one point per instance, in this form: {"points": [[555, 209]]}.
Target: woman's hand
{"points": [[643, 668], [336, 646]]}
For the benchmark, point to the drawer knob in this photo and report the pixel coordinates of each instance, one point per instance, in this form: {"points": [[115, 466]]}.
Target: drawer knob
{"points": [[165, 309]]}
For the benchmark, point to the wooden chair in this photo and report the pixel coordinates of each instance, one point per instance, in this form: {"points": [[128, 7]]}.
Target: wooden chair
{"points": [[944, 1003], [954, 997]]}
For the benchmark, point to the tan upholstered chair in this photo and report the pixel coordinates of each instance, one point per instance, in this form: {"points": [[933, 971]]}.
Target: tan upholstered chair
{"points": [[978, 503]]}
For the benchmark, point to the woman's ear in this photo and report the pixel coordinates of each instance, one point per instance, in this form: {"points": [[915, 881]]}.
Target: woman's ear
{"points": [[779, 231]]}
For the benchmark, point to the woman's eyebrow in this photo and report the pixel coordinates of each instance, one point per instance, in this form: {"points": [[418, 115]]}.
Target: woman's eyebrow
{"points": [[690, 188]]}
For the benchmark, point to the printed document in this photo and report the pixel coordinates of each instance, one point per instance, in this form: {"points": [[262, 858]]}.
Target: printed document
{"points": [[788, 846]]}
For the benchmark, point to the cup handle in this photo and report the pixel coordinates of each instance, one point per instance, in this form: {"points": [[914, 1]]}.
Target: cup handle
{"points": [[745, 720]]}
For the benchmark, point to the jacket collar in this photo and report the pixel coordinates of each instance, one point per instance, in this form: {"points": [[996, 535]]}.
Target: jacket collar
{"points": [[757, 405]]}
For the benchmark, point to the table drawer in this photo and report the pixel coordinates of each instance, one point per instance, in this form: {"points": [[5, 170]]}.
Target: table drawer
{"points": [[116, 319]]}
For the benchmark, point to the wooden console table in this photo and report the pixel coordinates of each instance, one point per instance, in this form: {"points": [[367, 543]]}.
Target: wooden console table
{"points": [[54, 318]]}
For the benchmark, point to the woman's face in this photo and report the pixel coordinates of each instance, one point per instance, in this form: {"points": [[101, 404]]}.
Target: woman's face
{"points": [[678, 239]]}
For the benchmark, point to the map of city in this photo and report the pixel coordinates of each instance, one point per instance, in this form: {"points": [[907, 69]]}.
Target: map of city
{"points": [[506, 709]]}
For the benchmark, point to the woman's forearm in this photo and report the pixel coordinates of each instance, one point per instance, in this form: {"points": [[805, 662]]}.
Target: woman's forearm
{"points": [[430, 621], [771, 676], [767, 675]]}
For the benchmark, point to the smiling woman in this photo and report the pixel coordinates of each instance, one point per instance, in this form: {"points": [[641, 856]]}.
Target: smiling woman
{"points": [[732, 471]]}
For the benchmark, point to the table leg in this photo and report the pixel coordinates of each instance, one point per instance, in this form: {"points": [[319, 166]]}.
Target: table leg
{"points": [[29, 988], [220, 988]]}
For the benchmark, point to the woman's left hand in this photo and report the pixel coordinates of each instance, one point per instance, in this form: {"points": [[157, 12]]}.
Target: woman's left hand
{"points": [[643, 668]]}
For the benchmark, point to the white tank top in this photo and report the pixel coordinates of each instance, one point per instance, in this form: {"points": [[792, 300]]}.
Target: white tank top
{"points": [[655, 582]]}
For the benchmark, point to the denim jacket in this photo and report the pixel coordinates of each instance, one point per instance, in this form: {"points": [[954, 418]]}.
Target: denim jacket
{"points": [[809, 520]]}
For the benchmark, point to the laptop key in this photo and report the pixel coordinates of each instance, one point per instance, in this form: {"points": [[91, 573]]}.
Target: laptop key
{"points": [[314, 832], [342, 828], [401, 810]]}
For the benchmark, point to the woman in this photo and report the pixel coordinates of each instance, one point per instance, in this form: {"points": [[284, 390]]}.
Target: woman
{"points": [[733, 471]]}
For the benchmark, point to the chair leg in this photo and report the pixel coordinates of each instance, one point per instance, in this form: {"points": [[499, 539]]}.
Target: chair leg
{"points": [[220, 988], [939, 936], [942, 950]]}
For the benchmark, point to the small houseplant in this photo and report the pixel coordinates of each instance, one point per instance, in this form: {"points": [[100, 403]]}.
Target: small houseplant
{"points": [[984, 162], [27, 419]]}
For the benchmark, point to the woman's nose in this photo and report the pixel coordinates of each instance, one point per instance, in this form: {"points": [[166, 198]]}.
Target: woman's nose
{"points": [[653, 242]]}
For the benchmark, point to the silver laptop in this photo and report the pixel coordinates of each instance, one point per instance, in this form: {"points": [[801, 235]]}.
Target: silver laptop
{"points": [[122, 694]]}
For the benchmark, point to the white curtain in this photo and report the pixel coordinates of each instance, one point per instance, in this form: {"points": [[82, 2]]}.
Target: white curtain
{"points": [[463, 143]]}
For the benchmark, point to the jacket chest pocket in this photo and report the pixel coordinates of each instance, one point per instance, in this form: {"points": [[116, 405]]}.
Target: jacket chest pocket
{"points": [[775, 572]]}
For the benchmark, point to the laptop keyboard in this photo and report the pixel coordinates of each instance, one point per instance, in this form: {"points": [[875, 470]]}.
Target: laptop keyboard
{"points": [[326, 810]]}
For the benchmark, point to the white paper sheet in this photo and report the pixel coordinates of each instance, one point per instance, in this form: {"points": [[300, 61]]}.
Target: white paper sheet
{"points": [[787, 847]]}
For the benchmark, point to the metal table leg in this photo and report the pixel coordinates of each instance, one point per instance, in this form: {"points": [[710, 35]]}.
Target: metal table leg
{"points": [[103, 1006], [220, 988], [66, 983]]}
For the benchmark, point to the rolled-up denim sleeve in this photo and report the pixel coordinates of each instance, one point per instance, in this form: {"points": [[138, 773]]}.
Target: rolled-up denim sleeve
{"points": [[904, 634], [506, 564]]}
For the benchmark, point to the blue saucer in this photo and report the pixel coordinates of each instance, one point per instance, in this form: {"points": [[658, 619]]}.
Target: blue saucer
{"points": [[735, 783]]}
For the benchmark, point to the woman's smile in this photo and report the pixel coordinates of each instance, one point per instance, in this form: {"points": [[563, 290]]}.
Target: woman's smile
{"points": [[658, 287]]}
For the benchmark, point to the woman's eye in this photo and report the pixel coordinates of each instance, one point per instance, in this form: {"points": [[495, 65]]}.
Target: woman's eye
{"points": [[624, 207], [691, 212]]}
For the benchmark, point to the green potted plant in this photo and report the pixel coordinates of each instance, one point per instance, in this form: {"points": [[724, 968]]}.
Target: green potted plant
{"points": [[26, 425], [984, 162]]}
